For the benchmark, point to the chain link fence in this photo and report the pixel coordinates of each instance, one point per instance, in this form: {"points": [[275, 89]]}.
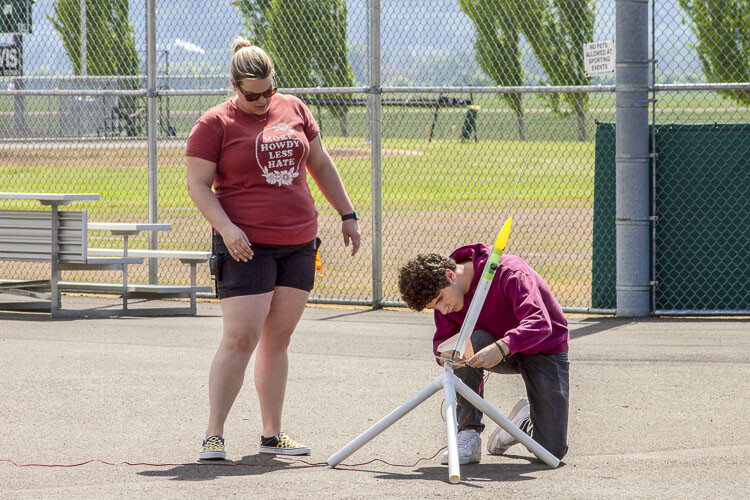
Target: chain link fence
{"points": [[701, 171], [428, 141]]}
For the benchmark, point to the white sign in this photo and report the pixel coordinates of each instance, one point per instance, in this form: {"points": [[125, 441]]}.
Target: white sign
{"points": [[9, 61], [599, 58]]}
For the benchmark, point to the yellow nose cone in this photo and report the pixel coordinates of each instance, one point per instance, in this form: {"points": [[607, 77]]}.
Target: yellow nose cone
{"points": [[503, 235]]}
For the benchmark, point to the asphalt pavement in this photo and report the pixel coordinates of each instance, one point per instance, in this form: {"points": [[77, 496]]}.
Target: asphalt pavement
{"points": [[117, 408]]}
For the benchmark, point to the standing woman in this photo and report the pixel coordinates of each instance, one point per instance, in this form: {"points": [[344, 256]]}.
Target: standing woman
{"points": [[255, 150]]}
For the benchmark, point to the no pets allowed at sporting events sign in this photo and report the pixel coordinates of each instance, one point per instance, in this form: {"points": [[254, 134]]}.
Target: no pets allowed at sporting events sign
{"points": [[599, 58]]}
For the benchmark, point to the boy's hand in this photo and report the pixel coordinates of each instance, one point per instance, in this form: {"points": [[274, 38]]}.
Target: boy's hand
{"points": [[486, 358], [447, 355]]}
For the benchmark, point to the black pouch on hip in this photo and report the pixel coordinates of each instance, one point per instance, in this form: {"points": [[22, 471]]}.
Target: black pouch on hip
{"points": [[214, 266]]}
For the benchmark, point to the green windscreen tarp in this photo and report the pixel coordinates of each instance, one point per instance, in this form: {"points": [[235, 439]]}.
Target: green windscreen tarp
{"points": [[702, 248], [603, 293]]}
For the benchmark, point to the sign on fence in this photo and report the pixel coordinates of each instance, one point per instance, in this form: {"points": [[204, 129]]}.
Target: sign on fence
{"points": [[15, 16], [599, 58], [10, 60]]}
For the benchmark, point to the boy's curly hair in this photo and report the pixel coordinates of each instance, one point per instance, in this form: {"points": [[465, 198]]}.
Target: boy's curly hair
{"points": [[421, 279]]}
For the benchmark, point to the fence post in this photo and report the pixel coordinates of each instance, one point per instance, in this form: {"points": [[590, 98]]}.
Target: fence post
{"points": [[374, 102], [19, 108], [152, 127], [632, 159]]}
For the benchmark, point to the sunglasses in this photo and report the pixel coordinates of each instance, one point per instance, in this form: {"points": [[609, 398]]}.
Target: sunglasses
{"points": [[251, 97]]}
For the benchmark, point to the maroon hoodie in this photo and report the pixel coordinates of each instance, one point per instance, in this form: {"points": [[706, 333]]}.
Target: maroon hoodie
{"points": [[519, 309]]}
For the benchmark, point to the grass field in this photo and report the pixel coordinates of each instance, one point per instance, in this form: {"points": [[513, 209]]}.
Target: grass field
{"points": [[435, 195], [437, 191]]}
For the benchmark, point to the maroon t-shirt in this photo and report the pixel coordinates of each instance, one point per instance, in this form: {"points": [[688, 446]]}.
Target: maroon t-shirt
{"points": [[519, 309], [261, 173]]}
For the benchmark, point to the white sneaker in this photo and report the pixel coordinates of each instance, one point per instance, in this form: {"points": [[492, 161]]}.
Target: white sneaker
{"points": [[469, 448], [500, 440]]}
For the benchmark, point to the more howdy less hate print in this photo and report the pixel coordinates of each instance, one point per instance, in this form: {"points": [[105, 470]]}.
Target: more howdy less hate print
{"points": [[279, 152]]}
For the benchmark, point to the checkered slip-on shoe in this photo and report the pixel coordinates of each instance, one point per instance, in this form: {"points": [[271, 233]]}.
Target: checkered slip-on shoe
{"points": [[282, 445], [213, 449]]}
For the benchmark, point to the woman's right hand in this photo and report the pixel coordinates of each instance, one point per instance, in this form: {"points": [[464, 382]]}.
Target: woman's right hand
{"points": [[200, 178], [237, 243]]}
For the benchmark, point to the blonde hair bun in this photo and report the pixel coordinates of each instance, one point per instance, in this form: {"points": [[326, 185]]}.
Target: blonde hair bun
{"points": [[253, 63], [240, 43]]}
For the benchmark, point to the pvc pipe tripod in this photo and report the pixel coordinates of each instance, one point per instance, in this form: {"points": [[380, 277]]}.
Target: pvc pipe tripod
{"points": [[450, 385]]}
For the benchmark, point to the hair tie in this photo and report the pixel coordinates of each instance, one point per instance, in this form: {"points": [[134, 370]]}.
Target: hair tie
{"points": [[241, 44]]}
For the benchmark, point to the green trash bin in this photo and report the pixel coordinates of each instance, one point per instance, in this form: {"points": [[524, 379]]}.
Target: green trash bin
{"points": [[469, 128]]}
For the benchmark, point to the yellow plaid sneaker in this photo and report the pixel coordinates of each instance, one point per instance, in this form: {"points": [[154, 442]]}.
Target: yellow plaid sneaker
{"points": [[213, 449], [282, 445]]}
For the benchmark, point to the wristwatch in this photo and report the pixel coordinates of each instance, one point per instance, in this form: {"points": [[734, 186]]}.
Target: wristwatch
{"points": [[354, 215]]}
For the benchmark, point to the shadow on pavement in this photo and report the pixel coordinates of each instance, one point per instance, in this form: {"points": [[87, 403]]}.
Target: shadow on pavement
{"points": [[597, 325], [344, 315], [45, 317], [25, 316], [250, 465], [471, 473]]}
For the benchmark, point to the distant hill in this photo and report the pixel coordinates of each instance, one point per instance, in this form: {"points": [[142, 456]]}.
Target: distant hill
{"points": [[423, 42]]}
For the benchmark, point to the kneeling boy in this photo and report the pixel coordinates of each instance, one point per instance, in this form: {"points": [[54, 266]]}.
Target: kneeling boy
{"points": [[521, 329]]}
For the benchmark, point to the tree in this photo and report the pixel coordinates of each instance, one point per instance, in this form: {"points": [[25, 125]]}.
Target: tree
{"points": [[556, 32], [110, 42], [308, 42], [497, 48], [722, 30]]}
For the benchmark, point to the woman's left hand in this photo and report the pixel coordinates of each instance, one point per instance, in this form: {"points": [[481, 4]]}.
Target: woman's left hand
{"points": [[350, 229], [486, 358]]}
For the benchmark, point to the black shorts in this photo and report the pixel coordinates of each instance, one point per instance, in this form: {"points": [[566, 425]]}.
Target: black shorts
{"points": [[271, 266]]}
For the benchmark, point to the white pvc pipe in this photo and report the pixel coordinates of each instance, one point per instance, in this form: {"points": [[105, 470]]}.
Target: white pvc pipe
{"points": [[454, 471], [386, 421], [467, 327], [483, 287], [483, 406]]}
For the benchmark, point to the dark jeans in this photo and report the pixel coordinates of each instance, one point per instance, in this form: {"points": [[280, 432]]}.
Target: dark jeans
{"points": [[546, 379]]}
